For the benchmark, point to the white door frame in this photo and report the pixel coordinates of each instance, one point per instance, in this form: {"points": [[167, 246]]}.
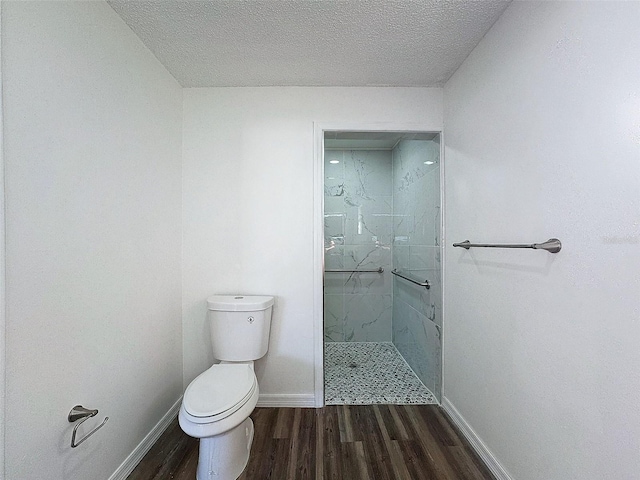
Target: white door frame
{"points": [[2, 280], [318, 226]]}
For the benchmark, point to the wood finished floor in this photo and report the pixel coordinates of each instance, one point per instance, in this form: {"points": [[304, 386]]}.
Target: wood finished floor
{"points": [[342, 442]]}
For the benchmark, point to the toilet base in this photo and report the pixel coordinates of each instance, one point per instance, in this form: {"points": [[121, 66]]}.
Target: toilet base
{"points": [[225, 456]]}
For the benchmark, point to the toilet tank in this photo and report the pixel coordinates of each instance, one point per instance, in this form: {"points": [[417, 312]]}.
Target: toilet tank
{"points": [[240, 326]]}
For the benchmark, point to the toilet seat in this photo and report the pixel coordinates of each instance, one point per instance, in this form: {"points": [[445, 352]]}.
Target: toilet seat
{"points": [[219, 392]]}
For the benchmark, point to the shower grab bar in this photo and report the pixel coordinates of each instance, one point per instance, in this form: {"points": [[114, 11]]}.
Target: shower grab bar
{"points": [[83, 414], [552, 245], [378, 270], [425, 284]]}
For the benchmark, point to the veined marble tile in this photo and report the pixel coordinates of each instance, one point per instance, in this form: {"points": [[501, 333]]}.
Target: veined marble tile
{"points": [[334, 283], [334, 181], [401, 336], [333, 172], [334, 204], [369, 283], [403, 228], [368, 172], [436, 358], [402, 201], [333, 256], [416, 297], [333, 318], [370, 222], [367, 256], [436, 221], [404, 218], [332, 155], [368, 318], [425, 230], [421, 257], [428, 360], [417, 312], [334, 225], [408, 163], [424, 257], [401, 257], [412, 160], [418, 341]]}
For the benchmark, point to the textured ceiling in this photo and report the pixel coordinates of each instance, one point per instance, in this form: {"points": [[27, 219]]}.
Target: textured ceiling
{"points": [[310, 42]]}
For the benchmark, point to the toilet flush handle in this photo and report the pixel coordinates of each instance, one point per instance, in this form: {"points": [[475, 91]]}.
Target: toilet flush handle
{"points": [[250, 319]]}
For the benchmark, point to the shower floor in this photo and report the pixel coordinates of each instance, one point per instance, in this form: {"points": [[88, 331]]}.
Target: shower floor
{"points": [[365, 373]]}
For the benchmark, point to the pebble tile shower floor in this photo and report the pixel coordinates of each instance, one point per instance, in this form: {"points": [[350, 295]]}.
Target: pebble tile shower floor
{"points": [[365, 373]]}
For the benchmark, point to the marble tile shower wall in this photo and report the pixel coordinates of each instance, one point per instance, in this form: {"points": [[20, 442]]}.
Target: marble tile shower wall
{"points": [[358, 235], [417, 312]]}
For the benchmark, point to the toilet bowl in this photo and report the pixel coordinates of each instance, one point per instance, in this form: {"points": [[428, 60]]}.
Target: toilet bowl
{"points": [[217, 403], [216, 408]]}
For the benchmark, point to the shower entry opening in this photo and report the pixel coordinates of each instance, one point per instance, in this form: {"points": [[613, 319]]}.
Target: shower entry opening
{"points": [[382, 269]]}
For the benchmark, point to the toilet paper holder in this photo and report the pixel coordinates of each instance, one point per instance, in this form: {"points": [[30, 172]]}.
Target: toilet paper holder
{"points": [[83, 414]]}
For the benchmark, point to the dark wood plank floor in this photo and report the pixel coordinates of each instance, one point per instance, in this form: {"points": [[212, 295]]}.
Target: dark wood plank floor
{"points": [[366, 442]]}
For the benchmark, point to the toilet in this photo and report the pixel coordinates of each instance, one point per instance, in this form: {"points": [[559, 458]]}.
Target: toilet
{"points": [[217, 403]]}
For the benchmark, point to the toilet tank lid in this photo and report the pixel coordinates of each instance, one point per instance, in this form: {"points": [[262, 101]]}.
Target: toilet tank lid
{"points": [[239, 303]]}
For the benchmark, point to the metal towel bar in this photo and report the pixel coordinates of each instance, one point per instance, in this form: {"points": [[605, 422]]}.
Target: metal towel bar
{"points": [[83, 414], [379, 270], [425, 284], [552, 245]]}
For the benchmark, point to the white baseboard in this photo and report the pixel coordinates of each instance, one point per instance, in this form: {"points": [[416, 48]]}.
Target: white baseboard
{"points": [[300, 400], [476, 442], [131, 462]]}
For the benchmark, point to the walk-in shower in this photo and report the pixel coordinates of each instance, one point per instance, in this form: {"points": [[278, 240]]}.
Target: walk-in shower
{"points": [[382, 214]]}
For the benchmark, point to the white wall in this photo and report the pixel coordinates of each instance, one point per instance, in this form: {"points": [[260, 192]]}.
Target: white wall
{"points": [[542, 127], [2, 275], [248, 179], [92, 150]]}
